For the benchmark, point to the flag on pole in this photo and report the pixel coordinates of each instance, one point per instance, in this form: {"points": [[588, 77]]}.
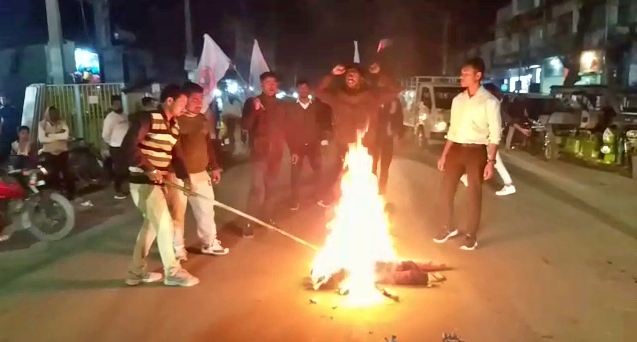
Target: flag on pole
{"points": [[257, 67], [383, 44], [213, 65], [357, 57]]}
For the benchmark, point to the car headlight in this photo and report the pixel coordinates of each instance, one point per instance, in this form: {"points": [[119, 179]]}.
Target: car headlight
{"points": [[606, 149], [631, 134], [441, 126]]}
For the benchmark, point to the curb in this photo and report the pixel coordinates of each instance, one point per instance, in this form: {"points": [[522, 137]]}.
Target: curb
{"points": [[43, 253]]}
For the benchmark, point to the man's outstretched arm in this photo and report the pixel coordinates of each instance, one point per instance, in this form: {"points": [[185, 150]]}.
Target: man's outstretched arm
{"points": [[388, 89], [323, 92]]}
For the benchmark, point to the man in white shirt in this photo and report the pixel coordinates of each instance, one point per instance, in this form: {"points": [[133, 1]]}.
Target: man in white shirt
{"points": [[472, 144], [113, 132], [231, 115]]}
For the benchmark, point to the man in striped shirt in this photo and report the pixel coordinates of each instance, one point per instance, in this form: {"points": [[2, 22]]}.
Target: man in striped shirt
{"points": [[154, 150]]}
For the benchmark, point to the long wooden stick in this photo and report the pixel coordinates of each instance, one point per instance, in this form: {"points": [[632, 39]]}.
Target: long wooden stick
{"points": [[242, 214]]}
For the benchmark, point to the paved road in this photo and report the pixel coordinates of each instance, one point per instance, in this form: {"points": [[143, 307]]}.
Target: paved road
{"points": [[544, 271]]}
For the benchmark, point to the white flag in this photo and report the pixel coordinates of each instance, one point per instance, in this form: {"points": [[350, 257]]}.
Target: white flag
{"points": [[257, 67], [357, 57], [213, 65]]}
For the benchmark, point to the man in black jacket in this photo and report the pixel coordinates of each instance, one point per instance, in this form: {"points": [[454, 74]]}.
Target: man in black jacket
{"points": [[306, 130], [264, 119], [390, 128]]}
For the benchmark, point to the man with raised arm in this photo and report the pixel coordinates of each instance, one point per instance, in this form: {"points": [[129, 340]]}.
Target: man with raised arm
{"points": [[355, 108]]}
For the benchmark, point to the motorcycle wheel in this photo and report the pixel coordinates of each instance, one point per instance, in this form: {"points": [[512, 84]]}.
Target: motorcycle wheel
{"points": [[62, 205]]}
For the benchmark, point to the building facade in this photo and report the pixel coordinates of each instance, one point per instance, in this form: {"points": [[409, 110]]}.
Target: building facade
{"points": [[537, 43]]}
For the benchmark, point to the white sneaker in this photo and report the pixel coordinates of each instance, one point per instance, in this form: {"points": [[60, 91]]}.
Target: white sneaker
{"points": [[134, 279], [506, 190], [214, 248], [463, 179], [181, 278]]}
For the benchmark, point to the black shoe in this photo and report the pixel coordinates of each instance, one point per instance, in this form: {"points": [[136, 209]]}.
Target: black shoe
{"points": [[248, 231], [120, 196], [445, 235], [295, 206], [470, 243]]}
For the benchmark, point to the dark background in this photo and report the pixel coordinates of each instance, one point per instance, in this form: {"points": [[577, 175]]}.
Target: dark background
{"points": [[311, 35]]}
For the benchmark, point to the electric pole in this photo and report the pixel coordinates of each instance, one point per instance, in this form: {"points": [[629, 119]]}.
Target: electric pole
{"points": [[190, 63], [54, 26], [445, 42]]}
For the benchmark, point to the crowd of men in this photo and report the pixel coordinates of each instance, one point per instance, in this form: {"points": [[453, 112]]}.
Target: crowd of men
{"points": [[172, 145], [168, 146]]}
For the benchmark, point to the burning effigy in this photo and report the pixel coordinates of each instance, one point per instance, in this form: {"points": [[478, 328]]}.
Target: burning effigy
{"points": [[358, 254]]}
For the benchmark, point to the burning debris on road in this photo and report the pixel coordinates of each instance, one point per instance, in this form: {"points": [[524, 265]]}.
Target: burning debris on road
{"points": [[358, 254]]}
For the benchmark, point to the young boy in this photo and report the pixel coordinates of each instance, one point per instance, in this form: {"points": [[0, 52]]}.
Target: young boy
{"points": [[24, 150]]}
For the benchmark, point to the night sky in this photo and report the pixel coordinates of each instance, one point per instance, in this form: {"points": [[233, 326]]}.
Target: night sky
{"points": [[311, 34]]}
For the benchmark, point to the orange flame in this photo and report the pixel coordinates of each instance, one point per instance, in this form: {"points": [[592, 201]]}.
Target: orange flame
{"points": [[358, 235]]}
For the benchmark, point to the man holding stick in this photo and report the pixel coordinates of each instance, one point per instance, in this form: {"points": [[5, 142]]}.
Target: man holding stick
{"points": [[355, 109], [472, 144], [203, 170], [154, 151]]}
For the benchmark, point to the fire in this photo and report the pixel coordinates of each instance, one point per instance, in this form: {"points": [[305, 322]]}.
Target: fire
{"points": [[358, 235]]}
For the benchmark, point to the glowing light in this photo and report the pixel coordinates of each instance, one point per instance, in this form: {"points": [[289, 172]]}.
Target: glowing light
{"points": [[358, 235], [280, 95], [233, 87], [251, 88], [295, 95], [217, 92]]}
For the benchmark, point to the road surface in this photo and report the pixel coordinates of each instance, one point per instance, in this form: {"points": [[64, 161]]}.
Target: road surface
{"points": [[544, 271]]}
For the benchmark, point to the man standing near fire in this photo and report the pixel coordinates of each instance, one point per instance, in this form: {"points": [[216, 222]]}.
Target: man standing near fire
{"points": [[264, 119], [354, 110], [305, 132], [390, 128], [154, 151], [472, 143], [201, 163]]}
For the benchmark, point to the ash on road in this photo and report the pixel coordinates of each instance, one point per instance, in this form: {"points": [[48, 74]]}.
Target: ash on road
{"points": [[543, 271]]}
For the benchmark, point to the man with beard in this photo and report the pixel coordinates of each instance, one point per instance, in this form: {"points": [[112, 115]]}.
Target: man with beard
{"points": [[354, 110], [390, 128], [113, 132], [305, 134], [154, 152], [264, 119], [200, 161]]}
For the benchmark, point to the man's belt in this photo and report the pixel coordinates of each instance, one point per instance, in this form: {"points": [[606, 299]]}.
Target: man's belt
{"points": [[471, 145]]}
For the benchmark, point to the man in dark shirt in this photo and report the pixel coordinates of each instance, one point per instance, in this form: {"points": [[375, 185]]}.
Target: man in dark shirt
{"points": [[306, 130], [154, 150], [10, 119], [200, 160], [264, 118], [390, 128], [354, 111]]}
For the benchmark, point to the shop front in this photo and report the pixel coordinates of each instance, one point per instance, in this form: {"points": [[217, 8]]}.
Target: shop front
{"points": [[591, 70], [521, 80]]}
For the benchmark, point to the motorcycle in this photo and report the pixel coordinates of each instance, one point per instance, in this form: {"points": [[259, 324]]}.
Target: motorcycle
{"points": [[47, 214], [87, 164]]}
